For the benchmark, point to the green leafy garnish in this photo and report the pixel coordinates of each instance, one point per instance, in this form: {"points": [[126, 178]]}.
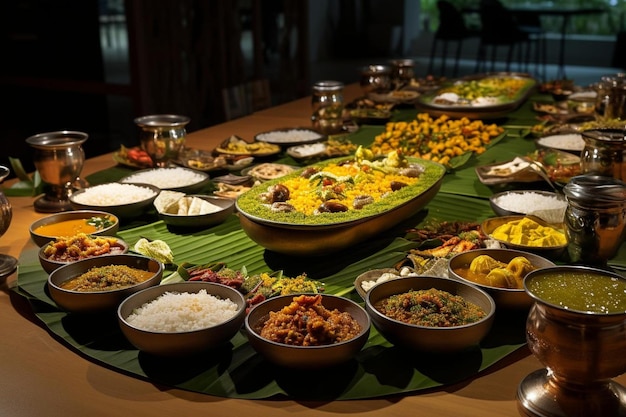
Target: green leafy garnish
{"points": [[100, 222]]}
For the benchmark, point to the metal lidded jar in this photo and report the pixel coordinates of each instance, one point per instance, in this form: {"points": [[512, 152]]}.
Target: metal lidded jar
{"points": [[327, 104], [595, 218], [375, 79], [604, 153], [162, 136]]}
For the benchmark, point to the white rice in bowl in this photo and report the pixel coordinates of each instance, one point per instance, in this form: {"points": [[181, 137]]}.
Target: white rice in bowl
{"points": [[182, 312], [288, 136], [565, 141], [529, 201], [166, 178], [113, 194]]}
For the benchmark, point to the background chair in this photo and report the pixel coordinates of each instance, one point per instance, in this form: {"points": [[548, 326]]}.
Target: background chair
{"points": [[452, 28], [500, 29]]}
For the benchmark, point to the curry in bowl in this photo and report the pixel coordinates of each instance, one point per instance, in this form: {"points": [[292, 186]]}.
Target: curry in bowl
{"points": [[70, 223], [99, 284], [65, 250]]}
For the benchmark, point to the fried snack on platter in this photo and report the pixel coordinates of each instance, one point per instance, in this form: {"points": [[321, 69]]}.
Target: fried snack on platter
{"points": [[438, 140]]}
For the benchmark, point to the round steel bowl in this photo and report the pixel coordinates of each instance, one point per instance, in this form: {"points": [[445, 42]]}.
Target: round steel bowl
{"points": [[186, 342], [202, 220], [102, 301], [306, 357], [41, 240], [50, 265], [424, 338], [505, 298], [124, 211]]}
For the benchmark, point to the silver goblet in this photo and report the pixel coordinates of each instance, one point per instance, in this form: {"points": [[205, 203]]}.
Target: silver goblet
{"points": [[59, 158], [7, 262]]}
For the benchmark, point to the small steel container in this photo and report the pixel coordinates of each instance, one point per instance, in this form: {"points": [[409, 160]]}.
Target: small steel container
{"points": [[595, 218], [376, 79]]}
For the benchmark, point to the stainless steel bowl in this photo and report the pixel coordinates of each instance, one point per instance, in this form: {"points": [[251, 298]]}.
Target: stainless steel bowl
{"points": [[425, 338], [186, 342], [101, 301], [306, 357]]}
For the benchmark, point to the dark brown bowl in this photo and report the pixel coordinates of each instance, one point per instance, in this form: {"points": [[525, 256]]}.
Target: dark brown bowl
{"points": [[101, 301], [185, 342], [500, 211], [50, 265], [202, 220], [425, 338], [124, 211], [306, 357], [41, 240], [505, 298]]}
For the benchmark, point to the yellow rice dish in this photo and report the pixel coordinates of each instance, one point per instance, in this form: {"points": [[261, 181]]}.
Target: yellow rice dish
{"points": [[341, 190]]}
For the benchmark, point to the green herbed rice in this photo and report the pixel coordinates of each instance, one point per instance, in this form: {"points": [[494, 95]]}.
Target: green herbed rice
{"points": [[251, 205]]}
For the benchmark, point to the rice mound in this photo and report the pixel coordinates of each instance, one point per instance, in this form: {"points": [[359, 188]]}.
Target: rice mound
{"points": [[113, 194], [182, 312]]}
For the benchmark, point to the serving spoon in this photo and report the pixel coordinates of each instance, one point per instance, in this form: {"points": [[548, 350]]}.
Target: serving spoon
{"points": [[541, 169]]}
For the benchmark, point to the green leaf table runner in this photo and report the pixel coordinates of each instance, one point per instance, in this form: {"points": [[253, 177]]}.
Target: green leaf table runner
{"points": [[235, 370]]}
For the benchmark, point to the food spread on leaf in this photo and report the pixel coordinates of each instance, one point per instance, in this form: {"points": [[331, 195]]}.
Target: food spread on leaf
{"points": [[487, 91], [439, 140], [255, 287]]}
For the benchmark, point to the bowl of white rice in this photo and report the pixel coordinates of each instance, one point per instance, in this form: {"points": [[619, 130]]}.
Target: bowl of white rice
{"points": [[290, 136], [122, 200], [182, 318], [567, 142], [181, 179], [547, 205]]}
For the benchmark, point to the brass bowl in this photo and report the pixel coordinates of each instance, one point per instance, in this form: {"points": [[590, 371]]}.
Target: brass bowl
{"points": [[101, 301], [505, 298], [553, 252], [41, 240], [306, 357], [424, 338], [49, 265], [185, 342]]}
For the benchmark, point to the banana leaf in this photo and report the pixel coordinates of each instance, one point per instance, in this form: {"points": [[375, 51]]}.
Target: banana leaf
{"points": [[235, 370]]}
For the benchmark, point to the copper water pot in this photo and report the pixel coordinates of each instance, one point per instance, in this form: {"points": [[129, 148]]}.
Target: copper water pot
{"points": [[582, 351]]}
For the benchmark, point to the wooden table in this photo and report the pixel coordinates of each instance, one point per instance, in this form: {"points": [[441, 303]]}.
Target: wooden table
{"points": [[40, 376]]}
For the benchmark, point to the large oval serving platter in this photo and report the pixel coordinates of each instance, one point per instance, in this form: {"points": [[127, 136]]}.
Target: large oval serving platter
{"points": [[502, 104], [302, 238]]}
